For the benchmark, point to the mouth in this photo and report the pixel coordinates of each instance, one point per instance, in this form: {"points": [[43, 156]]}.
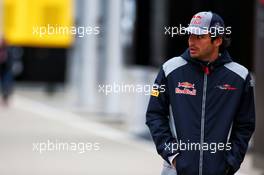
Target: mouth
{"points": [[193, 50]]}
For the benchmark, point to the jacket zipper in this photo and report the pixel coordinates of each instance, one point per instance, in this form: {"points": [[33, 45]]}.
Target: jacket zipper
{"points": [[202, 124]]}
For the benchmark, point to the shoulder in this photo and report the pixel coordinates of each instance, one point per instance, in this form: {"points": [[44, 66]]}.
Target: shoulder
{"points": [[237, 69], [173, 64]]}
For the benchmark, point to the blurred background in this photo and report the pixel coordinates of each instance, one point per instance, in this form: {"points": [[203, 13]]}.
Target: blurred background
{"points": [[63, 66]]}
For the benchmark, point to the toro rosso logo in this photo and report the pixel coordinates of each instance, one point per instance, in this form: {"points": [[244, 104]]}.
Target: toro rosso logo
{"points": [[226, 87], [185, 88]]}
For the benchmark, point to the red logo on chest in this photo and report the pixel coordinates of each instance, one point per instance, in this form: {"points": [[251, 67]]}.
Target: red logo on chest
{"points": [[226, 87], [185, 88]]}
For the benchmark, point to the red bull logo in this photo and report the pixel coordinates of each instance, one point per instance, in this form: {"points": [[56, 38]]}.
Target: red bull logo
{"points": [[185, 85], [196, 19], [185, 88]]}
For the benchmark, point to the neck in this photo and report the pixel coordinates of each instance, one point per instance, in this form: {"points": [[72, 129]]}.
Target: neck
{"points": [[210, 58]]}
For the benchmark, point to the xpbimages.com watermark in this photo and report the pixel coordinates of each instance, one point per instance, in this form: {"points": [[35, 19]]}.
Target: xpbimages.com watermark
{"points": [[78, 31], [181, 30], [59, 146], [116, 88], [190, 146]]}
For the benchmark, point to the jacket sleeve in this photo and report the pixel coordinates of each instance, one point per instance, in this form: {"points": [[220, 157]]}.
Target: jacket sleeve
{"points": [[157, 118], [243, 127]]}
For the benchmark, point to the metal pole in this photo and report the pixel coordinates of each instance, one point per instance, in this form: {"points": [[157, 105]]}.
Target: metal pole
{"points": [[114, 54], [88, 83]]}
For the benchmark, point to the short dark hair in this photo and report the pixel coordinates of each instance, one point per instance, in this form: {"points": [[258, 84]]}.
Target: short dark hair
{"points": [[226, 41]]}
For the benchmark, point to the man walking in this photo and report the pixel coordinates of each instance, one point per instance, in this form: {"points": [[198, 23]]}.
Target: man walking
{"points": [[201, 111]]}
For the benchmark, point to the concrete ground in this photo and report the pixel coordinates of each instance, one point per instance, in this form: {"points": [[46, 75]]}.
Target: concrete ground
{"points": [[108, 152]]}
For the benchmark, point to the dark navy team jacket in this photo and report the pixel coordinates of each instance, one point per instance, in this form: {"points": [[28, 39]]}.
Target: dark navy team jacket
{"points": [[209, 103]]}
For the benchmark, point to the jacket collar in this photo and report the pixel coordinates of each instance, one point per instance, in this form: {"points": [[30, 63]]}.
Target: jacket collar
{"points": [[223, 58]]}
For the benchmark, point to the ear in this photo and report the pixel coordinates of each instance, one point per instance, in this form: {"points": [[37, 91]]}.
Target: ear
{"points": [[218, 41]]}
